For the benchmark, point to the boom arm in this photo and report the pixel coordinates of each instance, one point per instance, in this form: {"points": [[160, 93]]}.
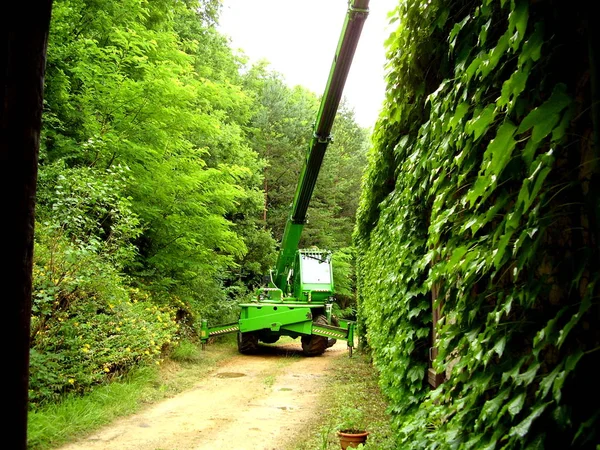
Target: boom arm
{"points": [[353, 24]]}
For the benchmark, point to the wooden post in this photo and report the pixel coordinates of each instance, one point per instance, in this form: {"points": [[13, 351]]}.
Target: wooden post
{"points": [[23, 39], [434, 378]]}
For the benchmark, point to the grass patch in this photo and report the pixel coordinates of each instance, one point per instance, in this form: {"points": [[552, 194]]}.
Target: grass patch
{"points": [[186, 351], [269, 381], [77, 416], [353, 383]]}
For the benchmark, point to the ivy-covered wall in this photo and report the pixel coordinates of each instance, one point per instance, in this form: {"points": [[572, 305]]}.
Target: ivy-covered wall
{"points": [[481, 201]]}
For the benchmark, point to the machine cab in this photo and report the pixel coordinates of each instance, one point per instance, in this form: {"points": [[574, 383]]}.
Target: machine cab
{"points": [[313, 276]]}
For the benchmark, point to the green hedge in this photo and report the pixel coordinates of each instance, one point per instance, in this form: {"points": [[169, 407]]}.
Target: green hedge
{"points": [[481, 197]]}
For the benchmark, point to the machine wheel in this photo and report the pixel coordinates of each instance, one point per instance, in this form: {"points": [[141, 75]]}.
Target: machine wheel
{"points": [[315, 345], [336, 323], [247, 343]]}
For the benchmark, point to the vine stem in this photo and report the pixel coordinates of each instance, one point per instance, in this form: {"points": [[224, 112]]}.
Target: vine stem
{"points": [[591, 350]]}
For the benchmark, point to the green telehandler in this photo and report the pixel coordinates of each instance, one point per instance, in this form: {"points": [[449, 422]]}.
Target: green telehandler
{"points": [[298, 299]]}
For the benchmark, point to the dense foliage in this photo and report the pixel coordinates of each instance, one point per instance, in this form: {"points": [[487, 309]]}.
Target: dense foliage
{"points": [[481, 201], [158, 149]]}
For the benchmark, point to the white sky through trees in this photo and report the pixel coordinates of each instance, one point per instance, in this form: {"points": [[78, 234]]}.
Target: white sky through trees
{"points": [[299, 39]]}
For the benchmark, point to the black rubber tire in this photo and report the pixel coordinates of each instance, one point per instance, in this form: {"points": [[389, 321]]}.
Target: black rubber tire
{"points": [[336, 323], [315, 345], [247, 343]]}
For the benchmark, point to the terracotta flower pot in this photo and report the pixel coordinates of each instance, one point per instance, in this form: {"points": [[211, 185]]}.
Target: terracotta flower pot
{"points": [[351, 439]]}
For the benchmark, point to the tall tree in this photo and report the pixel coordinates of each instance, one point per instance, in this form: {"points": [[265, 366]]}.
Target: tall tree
{"points": [[151, 86]]}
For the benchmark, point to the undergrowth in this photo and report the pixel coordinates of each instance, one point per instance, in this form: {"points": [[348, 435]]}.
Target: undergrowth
{"points": [[56, 424]]}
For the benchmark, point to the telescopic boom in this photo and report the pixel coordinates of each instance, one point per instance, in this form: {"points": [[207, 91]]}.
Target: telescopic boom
{"points": [[353, 24]]}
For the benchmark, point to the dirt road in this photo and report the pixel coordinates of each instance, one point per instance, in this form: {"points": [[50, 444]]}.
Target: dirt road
{"points": [[255, 402]]}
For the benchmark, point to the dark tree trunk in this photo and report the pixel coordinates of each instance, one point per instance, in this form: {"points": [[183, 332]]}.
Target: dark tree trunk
{"points": [[23, 38]]}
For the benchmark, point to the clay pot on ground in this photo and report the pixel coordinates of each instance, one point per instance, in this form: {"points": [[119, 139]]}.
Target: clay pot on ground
{"points": [[351, 438]]}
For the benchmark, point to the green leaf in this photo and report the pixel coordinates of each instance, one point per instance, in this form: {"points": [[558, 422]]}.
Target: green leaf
{"points": [[501, 147], [523, 427], [573, 359], [528, 376], [461, 110], [513, 87], [517, 22], [585, 427], [513, 372], [473, 68], [455, 30], [483, 33], [457, 255], [491, 407], [544, 118], [500, 249], [548, 380], [546, 335], [442, 17], [583, 307], [515, 406], [479, 125], [495, 55], [499, 346], [558, 384], [539, 181], [532, 48]]}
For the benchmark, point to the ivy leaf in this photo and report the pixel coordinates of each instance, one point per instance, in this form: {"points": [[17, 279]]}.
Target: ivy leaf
{"points": [[515, 406], [517, 20], [585, 426], [548, 381], [529, 152], [442, 18], [501, 147], [492, 406], [559, 132], [461, 110], [545, 335], [532, 49], [527, 377], [522, 428], [457, 256], [479, 125], [483, 33], [500, 249], [513, 372], [494, 55], [583, 307], [539, 180], [558, 384], [496, 157], [455, 30], [513, 87], [500, 345], [573, 359], [474, 66], [544, 118]]}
